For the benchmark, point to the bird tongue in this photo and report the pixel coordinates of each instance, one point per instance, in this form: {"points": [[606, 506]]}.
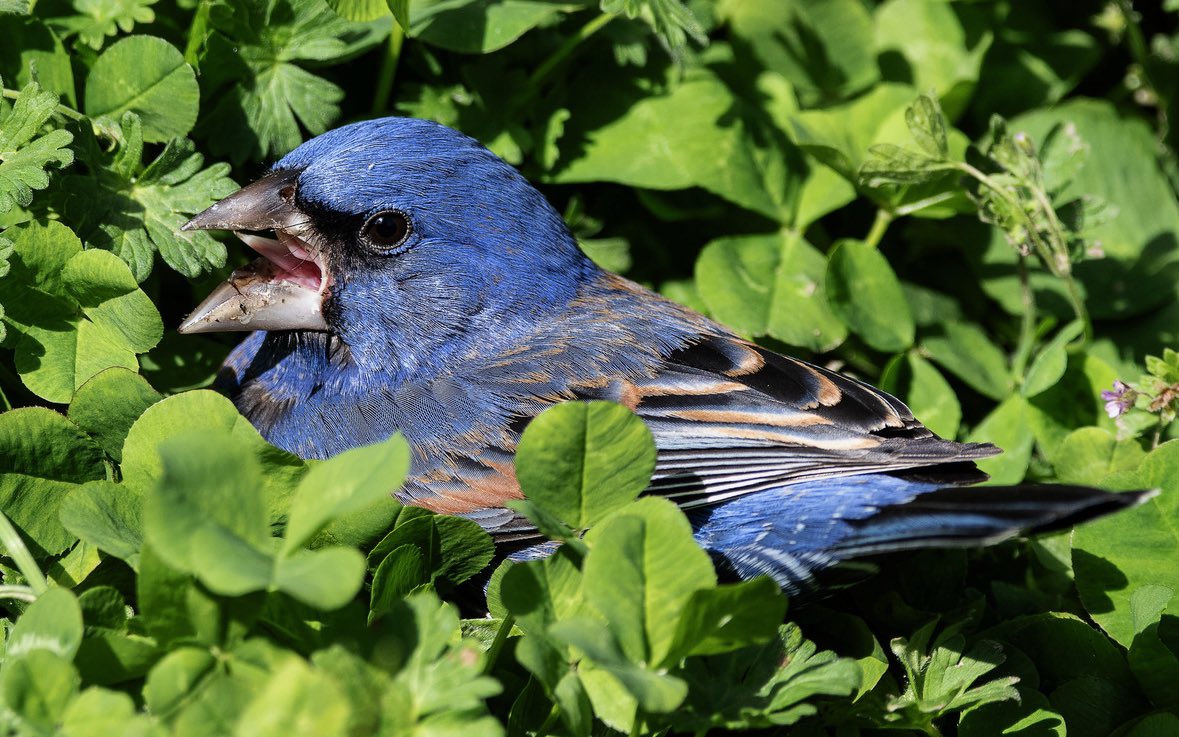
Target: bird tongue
{"points": [[283, 290], [291, 261]]}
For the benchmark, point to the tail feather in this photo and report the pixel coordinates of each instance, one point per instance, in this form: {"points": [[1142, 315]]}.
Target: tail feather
{"points": [[794, 532], [980, 515]]}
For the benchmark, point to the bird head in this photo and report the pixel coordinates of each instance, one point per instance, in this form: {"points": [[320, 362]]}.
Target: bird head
{"points": [[406, 239]]}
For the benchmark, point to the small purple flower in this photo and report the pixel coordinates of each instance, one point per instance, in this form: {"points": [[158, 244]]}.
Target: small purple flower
{"points": [[1120, 400]]}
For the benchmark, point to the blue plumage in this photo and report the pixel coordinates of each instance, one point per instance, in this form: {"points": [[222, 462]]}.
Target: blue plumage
{"points": [[835, 520], [423, 285]]}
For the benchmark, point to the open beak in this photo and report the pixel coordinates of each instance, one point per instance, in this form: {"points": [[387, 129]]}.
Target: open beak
{"points": [[282, 290]]}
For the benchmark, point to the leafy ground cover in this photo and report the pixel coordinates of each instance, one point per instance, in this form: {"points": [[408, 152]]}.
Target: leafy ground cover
{"points": [[972, 204]]}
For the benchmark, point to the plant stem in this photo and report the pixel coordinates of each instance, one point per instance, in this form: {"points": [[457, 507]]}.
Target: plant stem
{"points": [[1078, 305], [546, 68], [545, 728], [919, 205], [8, 376], [879, 226], [1042, 249], [1027, 325], [1136, 41], [1139, 52], [62, 110], [497, 645], [20, 555], [21, 593], [388, 71], [1061, 267], [1051, 257], [197, 32]]}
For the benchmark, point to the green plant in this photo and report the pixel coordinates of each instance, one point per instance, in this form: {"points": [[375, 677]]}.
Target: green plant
{"points": [[972, 204]]}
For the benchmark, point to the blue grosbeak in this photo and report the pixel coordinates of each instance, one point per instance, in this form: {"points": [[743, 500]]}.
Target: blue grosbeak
{"points": [[413, 281]]}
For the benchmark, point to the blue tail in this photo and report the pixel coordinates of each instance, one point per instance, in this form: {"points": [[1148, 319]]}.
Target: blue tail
{"points": [[792, 533]]}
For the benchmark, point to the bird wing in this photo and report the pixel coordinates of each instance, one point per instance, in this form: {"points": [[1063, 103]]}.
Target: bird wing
{"points": [[729, 418]]}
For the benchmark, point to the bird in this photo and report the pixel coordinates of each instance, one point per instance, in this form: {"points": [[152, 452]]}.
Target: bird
{"points": [[409, 280]]}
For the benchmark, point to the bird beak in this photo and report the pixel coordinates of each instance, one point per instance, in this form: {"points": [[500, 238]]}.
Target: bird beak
{"points": [[282, 290]]}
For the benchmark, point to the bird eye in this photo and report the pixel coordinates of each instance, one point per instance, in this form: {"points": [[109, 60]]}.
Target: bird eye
{"points": [[386, 230]]}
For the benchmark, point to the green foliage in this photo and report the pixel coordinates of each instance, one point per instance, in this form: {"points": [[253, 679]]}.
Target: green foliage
{"points": [[624, 618], [941, 675], [135, 209], [1108, 571], [24, 152], [478, 27], [98, 19], [866, 295], [146, 76], [71, 312], [770, 285], [594, 454], [971, 204], [263, 98]]}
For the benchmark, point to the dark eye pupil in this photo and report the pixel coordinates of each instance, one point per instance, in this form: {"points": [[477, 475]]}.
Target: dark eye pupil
{"points": [[387, 229]]}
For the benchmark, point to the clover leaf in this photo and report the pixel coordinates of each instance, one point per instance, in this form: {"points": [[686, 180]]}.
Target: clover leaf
{"points": [[672, 20], [254, 70], [96, 20], [72, 313], [135, 210]]}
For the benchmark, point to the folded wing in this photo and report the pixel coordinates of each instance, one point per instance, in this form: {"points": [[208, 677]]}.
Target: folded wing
{"points": [[729, 418]]}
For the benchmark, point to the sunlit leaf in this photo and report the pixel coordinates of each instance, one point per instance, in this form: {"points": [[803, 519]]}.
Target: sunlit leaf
{"points": [[25, 151], [147, 76]]}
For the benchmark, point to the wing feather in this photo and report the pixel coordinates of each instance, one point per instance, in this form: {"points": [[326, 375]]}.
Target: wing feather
{"points": [[732, 418], [729, 418]]}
